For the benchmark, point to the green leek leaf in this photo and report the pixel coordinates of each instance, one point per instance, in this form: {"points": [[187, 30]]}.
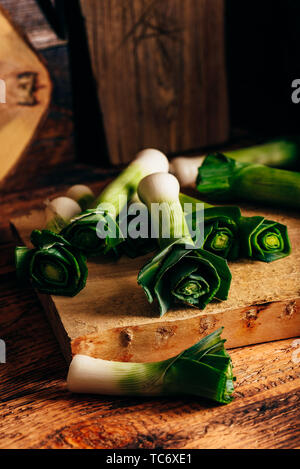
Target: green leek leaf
{"points": [[252, 237], [191, 276], [283, 152], [264, 240], [83, 234], [222, 178]]}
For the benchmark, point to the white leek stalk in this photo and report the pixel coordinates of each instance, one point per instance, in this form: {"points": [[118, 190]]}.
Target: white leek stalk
{"points": [[97, 376], [282, 153], [186, 169], [125, 185], [83, 195], [59, 212], [160, 193]]}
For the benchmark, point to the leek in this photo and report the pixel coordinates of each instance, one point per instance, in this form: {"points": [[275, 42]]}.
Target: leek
{"points": [[83, 195], [222, 178], [263, 240], [97, 230], [179, 272], [204, 370], [230, 235], [221, 227], [53, 266], [59, 212], [280, 153]]}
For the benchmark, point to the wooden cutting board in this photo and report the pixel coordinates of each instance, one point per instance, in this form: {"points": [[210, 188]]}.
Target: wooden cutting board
{"points": [[112, 319]]}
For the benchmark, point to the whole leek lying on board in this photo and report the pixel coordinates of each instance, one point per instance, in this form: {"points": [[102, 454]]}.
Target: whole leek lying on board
{"points": [[179, 273], [54, 266], [97, 230], [230, 235], [204, 370], [222, 178], [280, 153]]}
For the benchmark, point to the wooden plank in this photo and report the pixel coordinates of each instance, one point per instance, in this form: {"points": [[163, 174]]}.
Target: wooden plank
{"points": [[27, 14], [27, 95], [112, 319], [160, 71], [37, 411]]}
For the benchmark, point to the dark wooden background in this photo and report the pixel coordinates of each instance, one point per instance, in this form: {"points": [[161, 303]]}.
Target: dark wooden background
{"points": [[36, 410]]}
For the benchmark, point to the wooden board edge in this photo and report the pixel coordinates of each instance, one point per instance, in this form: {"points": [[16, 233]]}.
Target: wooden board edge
{"points": [[164, 339]]}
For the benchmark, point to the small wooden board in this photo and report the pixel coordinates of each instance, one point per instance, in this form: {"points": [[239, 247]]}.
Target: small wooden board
{"points": [[112, 319], [25, 92]]}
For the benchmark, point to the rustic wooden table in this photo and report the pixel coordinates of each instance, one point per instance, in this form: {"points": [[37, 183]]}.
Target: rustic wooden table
{"points": [[37, 411]]}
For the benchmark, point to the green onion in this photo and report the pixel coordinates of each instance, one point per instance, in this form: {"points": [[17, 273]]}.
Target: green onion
{"points": [[280, 153], [230, 235], [204, 370], [222, 178], [53, 266], [97, 230], [179, 272]]}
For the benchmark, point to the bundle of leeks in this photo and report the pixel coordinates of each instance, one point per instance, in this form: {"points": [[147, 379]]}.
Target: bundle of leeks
{"points": [[97, 230]]}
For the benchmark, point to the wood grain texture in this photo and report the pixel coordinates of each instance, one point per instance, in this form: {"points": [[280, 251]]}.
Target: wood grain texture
{"points": [[160, 72], [38, 412], [29, 17], [112, 319], [28, 91]]}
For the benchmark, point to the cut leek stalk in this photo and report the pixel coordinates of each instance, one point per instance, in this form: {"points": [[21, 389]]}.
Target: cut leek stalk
{"points": [[204, 370], [279, 153], [53, 266], [230, 235], [222, 178], [179, 272]]}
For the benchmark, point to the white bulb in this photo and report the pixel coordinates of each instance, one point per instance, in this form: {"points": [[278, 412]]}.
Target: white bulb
{"points": [[159, 187], [92, 375], [153, 161], [64, 207], [78, 191], [186, 169]]}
